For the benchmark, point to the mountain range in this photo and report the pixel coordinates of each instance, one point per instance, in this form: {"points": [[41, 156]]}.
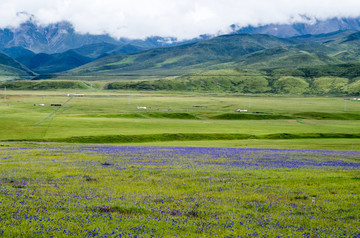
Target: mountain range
{"points": [[237, 51], [310, 26], [60, 37], [32, 49]]}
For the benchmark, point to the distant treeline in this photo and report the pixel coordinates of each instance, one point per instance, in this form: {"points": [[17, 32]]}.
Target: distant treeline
{"points": [[248, 84], [289, 85], [342, 79], [337, 80], [42, 85]]}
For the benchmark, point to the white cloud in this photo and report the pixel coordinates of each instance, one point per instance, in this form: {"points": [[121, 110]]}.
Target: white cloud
{"points": [[179, 18]]}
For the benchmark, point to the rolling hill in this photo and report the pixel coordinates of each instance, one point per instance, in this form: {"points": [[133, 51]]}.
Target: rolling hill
{"points": [[47, 64], [16, 51], [321, 38], [237, 51], [244, 51], [43, 63], [11, 69], [95, 51], [181, 59], [283, 57]]}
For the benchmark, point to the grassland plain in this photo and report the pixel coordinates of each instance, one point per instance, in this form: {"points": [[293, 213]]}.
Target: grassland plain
{"points": [[163, 186], [111, 191], [103, 117]]}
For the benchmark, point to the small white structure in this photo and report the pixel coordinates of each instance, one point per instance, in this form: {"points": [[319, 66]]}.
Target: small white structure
{"points": [[241, 110], [78, 95], [140, 107], [41, 104]]}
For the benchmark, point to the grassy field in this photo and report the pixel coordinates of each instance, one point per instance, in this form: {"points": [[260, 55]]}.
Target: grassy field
{"points": [[187, 166], [194, 117], [109, 191]]}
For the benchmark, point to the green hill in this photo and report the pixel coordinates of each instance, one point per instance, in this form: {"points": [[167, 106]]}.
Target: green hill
{"points": [[245, 51], [182, 59], [316, 80], [11, 69], [284, 57], [321, 38], [100, 50], [346, 70], [47, 64], [16, 52], [248, 63]]}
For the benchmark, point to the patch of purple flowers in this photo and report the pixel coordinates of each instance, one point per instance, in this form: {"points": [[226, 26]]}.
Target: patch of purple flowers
{"points": [[234, 157], [230, 157]]}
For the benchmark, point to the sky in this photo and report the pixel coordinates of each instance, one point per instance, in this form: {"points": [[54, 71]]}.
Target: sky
{"points": [[184, 19]]}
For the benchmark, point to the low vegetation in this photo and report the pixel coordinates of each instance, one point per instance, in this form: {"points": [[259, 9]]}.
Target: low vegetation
{"points": [[111, 191], [249, 82], [43, 85]]}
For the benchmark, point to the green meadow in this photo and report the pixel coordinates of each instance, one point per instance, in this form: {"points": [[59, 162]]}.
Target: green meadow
{"points": [[50, 190], [186, 166], [114, 117]]}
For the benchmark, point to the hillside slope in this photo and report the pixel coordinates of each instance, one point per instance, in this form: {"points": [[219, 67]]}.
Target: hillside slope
{"points": [[47, 64], [244, 51], [185, 58], [95, 51], [293, 56], [11, 69]]}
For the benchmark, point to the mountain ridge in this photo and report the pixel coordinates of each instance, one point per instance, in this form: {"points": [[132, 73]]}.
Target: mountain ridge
{"points": [[156, 57], [216, 50], [309, 26], [245, 51], [61, 36], [11, 69]]}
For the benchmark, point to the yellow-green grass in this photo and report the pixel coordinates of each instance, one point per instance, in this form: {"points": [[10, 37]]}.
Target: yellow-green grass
{"points": [[187, 101], [101, 113]]}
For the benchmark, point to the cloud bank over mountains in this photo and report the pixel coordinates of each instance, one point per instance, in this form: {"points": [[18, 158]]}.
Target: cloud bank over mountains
{"points": [[184, 19]]}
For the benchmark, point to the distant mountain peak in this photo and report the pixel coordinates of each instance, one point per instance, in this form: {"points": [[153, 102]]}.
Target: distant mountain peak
{"points": [[62, 36], [26, 17], [301, 25], [52, 38]]}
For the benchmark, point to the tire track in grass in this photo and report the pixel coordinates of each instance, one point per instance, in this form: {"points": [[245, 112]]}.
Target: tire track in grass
{"points": [[50, 117]]}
